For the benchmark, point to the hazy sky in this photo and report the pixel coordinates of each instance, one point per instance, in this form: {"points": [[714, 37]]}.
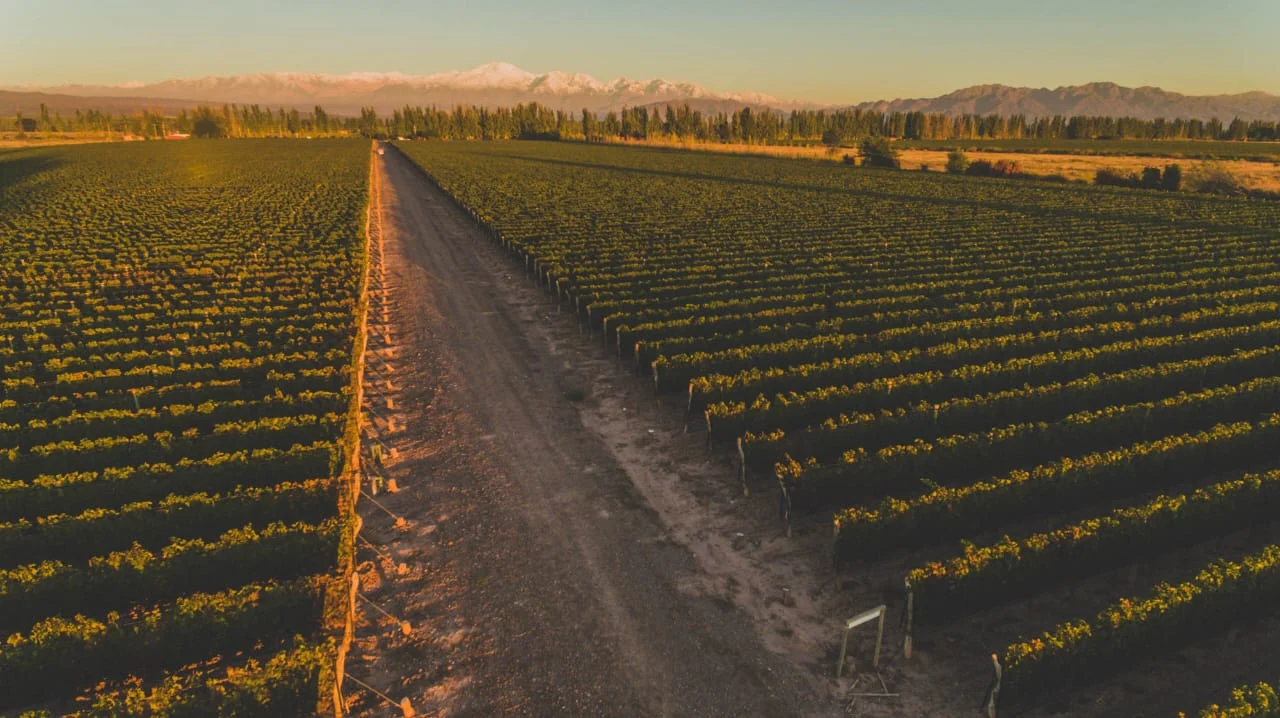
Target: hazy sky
{"points": [[821, 50]]}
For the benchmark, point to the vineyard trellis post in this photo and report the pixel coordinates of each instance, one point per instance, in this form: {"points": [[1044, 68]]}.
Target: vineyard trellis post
{"points": [[993, 688], [909, 618]]}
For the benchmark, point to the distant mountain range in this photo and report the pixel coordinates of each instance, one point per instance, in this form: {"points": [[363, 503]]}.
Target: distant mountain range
{"points": [[504, 84], [1095, 98], [493, 85]]}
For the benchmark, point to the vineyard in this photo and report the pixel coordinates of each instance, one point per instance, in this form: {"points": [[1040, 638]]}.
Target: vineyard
{"points": [[1009, 389], [178, 339]]}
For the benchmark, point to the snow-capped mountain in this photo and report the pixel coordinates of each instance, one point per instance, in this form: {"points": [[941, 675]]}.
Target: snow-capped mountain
{"points": [[492, 84]]}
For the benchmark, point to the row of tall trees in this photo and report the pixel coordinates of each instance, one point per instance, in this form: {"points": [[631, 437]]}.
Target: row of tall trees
{"points": [[677, 122], [203, 120], [756, 126]]}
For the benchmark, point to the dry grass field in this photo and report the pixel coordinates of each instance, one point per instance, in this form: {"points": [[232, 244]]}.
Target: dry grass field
{"points": [[1253, 175]]}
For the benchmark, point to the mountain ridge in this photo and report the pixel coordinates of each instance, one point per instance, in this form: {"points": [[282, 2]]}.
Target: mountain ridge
{"points": [[491, 84], [504, 84], [1093, 98]]}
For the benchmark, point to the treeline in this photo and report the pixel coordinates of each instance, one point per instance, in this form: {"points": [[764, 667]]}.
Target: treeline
{"points": [[835, 128], [202, 121], [832, 127]]}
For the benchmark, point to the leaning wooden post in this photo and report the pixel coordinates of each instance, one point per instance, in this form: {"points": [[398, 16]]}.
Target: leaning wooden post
{"points": [[910, 617], [875, 659], [993, 689], [742, 463]]}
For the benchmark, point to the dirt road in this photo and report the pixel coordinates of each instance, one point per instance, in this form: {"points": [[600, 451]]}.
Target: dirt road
{"points": [[534, 575]]}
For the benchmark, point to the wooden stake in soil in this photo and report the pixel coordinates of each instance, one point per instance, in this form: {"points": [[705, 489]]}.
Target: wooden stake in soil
{"points": [[993, 688], [906, 642]]}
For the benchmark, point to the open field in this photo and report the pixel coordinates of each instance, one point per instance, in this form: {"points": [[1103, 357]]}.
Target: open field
{"points": [[11, 140], [1263, 176], [1181, 149], [179, 323], [916, 360], [1260, 174]]}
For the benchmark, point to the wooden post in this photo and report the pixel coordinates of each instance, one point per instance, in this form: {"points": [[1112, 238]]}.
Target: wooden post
{"points": [[875, 660], [852, 623], [742, 463], [784, 505], [993, 688], [910, 617]]}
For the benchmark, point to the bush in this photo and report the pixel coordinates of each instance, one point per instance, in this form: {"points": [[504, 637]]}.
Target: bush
{"points": [[877, 152], [1215, 178], [1002, 168], [1006, 168], [1113, 178], [957, 162], [1151, 178], [849, 159], [979, 168]]}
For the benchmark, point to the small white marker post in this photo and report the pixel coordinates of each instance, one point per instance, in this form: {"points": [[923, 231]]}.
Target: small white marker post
{"points": [[858, 620]]}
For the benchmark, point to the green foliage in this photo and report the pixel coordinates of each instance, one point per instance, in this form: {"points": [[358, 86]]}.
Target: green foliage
{"points": [[862, 473], [878, 152], [982, 577], [1136, 628], [177, 333], [1257, 701], [957, 162], [59, 654], [1215, 178], [207, 125], [1151, 178], [931, 359], [117, 580], [1055, 486], [286, 684]]}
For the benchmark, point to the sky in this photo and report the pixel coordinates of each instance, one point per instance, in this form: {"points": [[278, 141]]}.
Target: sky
{"points": [[834, 51]]}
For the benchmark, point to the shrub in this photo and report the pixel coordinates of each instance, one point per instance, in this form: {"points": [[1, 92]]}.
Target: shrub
{"points": [[1151, 178], [1113, 178], [1006, 168], [957, 162], [1172, 179], [1215, 178], [877, 152], [979, 168]]}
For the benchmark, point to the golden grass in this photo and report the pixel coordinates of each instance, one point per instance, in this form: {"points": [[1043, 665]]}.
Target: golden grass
{"points": [[10, 140], [1254, 175]]}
